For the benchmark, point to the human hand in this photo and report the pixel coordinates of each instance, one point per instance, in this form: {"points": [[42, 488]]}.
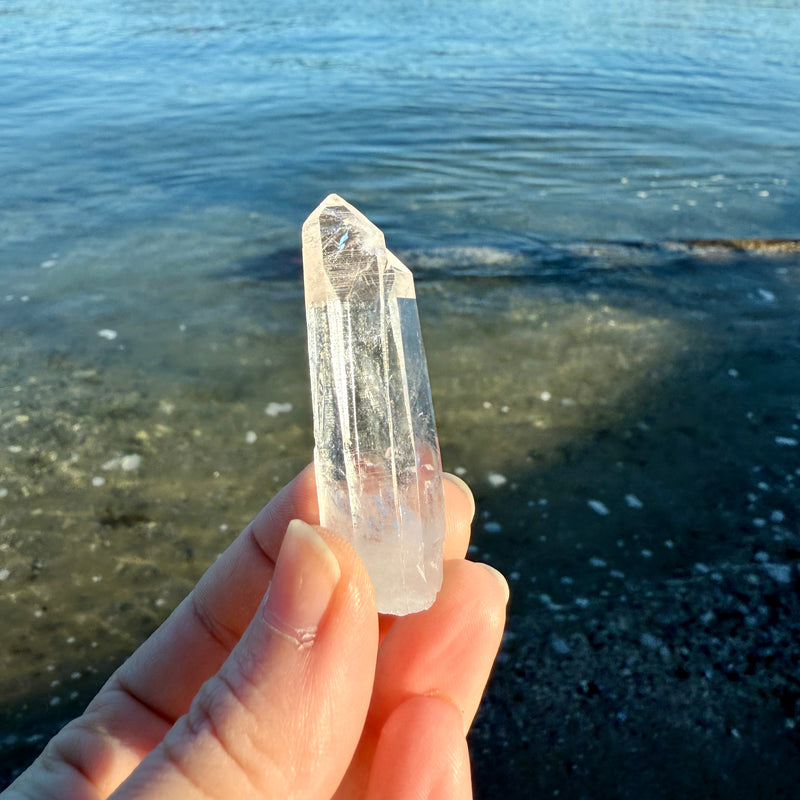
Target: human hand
{"points": [[303, 693]]}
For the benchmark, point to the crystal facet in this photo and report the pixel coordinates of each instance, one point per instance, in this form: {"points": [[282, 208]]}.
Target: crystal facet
{"points": [[379, 477]]}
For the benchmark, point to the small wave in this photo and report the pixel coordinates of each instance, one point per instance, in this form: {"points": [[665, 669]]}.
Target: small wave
{"points": [[466, 257], [755, 245], [564, 259], [282, 264]]}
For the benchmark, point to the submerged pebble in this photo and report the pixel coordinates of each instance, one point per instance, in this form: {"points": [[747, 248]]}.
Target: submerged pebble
{"points": [[127, 463], [780, 573], [131, 462], [650, 641], [766, 295], [598, 507], [496, 480], [273, 409], [559, 645]]}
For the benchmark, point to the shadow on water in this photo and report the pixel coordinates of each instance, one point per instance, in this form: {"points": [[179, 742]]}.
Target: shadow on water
{"points": [[654, 611], [285, 263], [652, 647], [632, 446]]}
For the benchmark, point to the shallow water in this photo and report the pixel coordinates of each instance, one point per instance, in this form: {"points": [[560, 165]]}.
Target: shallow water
{"points": [[537, 164]]}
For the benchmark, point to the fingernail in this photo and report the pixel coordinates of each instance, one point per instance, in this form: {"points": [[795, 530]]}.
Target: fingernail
{"points": [[306, 574], [500, 578], [461, 485]]}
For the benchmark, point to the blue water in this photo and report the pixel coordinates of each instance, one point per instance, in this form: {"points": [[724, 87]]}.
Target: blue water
{"points": [[470, 122]]}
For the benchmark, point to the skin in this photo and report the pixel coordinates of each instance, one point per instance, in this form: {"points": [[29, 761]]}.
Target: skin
{"points": [[305, 692]]}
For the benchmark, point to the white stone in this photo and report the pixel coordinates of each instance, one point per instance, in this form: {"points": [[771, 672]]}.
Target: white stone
{"points": [[130, 462], [650, 640], [496, 480], [127, 463], [273, 409], [376, 452], [767, 295], [780, 573], [598, 507]]}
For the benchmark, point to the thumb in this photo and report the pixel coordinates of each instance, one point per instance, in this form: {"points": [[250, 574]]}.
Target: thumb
{"points": [[283, 716]]}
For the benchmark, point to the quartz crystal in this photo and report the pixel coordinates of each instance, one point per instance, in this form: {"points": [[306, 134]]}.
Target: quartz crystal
{"points": [[376, 455]]}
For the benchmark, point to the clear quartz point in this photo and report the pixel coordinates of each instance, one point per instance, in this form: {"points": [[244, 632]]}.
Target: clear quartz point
{"points": [[376, 454]]}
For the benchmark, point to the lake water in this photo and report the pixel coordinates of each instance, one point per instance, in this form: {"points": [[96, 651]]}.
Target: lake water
{"points": [[541, 165]]}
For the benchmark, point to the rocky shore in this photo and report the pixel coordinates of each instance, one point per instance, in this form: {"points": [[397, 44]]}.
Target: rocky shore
{"points": [[681, 688]]}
